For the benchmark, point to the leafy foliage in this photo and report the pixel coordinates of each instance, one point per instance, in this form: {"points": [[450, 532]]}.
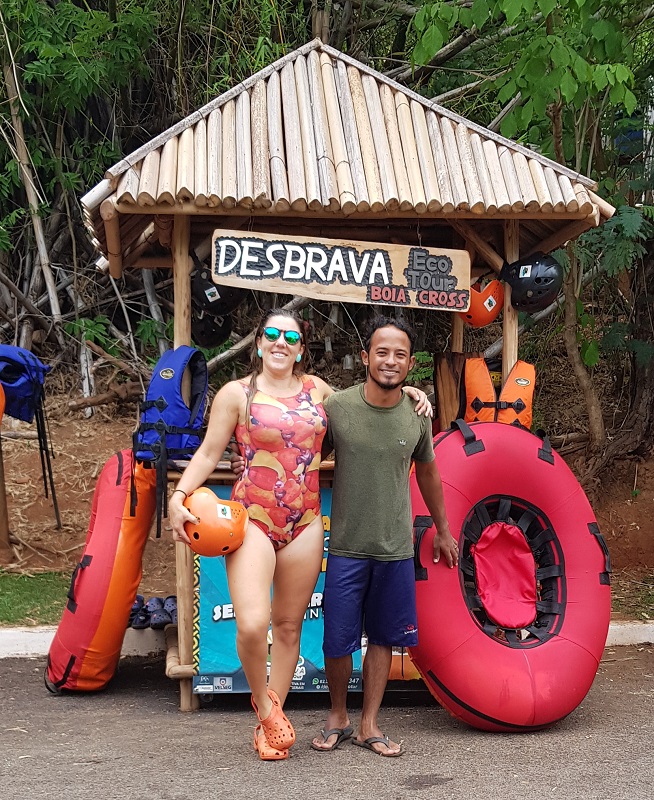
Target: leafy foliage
{"points": [[94, 330], [423, 369], [618, 244]]}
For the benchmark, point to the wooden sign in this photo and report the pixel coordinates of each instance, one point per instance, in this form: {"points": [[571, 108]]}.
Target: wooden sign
{"points": [[343, 271]]}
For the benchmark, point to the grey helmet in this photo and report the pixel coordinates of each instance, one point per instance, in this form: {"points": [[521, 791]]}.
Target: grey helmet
{"points": [[535, 282]]}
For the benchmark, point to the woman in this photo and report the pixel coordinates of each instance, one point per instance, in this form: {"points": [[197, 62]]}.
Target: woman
{"points": [[277, 417]]}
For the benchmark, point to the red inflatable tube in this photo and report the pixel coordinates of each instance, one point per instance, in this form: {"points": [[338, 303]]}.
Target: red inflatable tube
{"points": [[510, 641], [86, 648]]}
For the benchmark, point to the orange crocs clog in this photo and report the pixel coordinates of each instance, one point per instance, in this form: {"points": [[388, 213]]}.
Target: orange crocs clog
{"points": [[278, 730]]}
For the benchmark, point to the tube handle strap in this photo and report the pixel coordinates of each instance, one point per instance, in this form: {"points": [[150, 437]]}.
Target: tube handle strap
{"points": [[471, 444]]}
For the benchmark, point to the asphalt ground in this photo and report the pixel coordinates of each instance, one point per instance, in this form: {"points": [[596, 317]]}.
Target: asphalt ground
{"points": [[130, 741]]}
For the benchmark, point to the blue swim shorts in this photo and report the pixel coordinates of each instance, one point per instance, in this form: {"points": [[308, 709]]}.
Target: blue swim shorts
{"points": [[376, 596]]}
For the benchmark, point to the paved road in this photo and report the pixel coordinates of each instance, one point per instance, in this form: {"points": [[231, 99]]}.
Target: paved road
{"points": [[131, 742]]}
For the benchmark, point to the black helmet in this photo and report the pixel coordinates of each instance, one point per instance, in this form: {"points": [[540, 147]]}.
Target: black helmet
{"points": [[535, 282], [210, 298], [209, 331]]}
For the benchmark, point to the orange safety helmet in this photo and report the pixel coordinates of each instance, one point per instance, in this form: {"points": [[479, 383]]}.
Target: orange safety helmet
{"points": [[485, 304], [221, 524]]}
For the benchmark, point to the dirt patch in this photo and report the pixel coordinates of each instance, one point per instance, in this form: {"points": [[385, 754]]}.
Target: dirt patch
{"points": [[624, 508], [81, 448]]}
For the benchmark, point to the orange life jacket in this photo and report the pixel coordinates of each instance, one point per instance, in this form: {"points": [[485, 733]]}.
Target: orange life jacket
{"points": [[514, 404]]}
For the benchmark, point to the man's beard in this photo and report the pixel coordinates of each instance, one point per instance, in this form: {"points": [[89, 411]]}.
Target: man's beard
{"points": [[388, 387]]}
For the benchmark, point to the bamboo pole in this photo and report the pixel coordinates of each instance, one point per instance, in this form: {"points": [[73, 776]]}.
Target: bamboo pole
{"points": [[164, 228], [567, 234], [128, 185], [404, 193], [529, 197], [606, 209], [147, 195], [185, 181], [346, 195], [167, 174], [380, 141], [215, 158], [440, 163], [112, 229], [260, 156], [293, 141], [410, 152], [473, 188], [457, 181], [558, 203], [492, 161], [324, 151], [92, 199], [230, 182], [145, 240], [309, 152], [584, 201], [32, 197], [569, 196], [200, 163], [540, 184], [183, 554], [483, 173], [510, 318], [244, 151], [278, 173], [352, 139], [425, 158], [484, 249], [366, 142], [511, 179]]}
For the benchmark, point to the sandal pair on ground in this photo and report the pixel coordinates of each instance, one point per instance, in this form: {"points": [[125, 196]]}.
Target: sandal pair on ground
{"points": [[156, 613], [345, 734], [273, 735]]}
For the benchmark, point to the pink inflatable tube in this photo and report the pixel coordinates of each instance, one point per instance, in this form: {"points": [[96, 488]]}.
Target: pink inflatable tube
{"points": [[511, 640]]}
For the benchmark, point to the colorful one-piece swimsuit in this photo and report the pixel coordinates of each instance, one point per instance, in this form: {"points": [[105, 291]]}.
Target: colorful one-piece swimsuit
{"points": [[280, 486]]}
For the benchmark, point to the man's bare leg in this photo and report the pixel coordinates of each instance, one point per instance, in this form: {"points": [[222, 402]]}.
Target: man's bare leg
{"points": [[338, 672], [376, 667]]}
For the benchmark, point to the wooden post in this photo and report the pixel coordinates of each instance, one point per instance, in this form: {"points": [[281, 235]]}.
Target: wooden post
{"points": [[457, 333], [510, 325], [183, 555]]}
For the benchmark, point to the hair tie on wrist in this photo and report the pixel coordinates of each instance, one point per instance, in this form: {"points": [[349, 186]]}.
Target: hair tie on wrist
{"points": [[182, 491]]}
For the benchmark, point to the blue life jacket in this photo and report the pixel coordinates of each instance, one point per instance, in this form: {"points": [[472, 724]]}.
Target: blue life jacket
{"points": [[169, 428], [21, 376]]}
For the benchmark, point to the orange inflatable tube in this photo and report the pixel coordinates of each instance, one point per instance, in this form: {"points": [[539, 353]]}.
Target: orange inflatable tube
{"points": [[86, 648]]}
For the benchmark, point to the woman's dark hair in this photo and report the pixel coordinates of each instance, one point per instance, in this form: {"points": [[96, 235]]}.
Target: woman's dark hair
{"points": [[299, 368], [378, 322]]}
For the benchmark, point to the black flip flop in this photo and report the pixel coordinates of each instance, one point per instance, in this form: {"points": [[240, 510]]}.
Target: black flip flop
{"points": [[367, 744], [342, 734]]}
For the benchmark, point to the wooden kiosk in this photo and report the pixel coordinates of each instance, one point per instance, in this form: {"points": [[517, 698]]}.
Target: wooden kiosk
{"points": [[317, 145]]}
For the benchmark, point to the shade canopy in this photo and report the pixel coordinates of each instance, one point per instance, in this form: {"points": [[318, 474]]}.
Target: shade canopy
{"points": [[318, 137]]}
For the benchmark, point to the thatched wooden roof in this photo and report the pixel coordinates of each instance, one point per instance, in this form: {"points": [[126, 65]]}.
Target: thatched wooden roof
{"points": [[320, 134]]}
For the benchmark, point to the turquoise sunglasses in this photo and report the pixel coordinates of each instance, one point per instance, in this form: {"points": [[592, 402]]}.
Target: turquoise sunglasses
{"points": [[290, 337]]}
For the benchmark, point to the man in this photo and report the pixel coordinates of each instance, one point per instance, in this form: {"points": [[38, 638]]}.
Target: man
{"points": [[369, 583]]}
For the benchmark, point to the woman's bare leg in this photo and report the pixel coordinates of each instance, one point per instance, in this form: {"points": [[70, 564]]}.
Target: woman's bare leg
{"points": [[296, 573], [250, 571]]}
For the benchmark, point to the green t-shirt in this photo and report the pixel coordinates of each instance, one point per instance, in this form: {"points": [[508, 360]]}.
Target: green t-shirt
{"points": [[374, 447]]}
